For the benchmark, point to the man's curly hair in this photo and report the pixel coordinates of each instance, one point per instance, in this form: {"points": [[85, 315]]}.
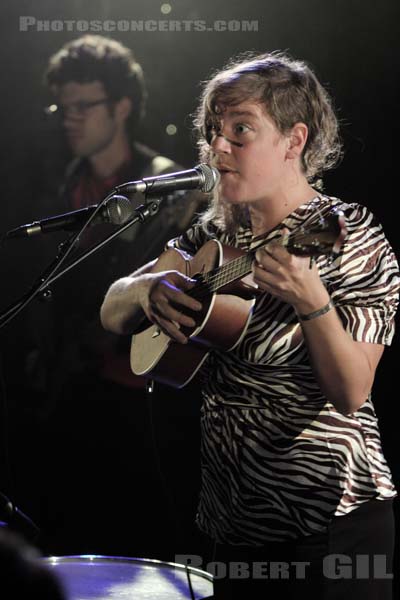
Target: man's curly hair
{"points": [[97, 58]]}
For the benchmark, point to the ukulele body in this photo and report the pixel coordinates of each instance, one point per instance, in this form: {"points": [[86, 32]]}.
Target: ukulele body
{"points": [[220, 324]]}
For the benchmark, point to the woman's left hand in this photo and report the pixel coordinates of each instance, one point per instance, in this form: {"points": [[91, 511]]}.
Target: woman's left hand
{"points": [[289, 278]]}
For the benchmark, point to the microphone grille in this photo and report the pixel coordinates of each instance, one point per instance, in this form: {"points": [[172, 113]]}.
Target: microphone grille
{"points": [[210, 177], [119, 210]]}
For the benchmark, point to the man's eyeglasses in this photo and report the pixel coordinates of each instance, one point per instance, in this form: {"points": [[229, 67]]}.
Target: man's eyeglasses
{"points": [[79, 108]]}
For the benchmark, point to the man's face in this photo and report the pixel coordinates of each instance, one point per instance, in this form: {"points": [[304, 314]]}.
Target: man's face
{"points": [[90, 121]]}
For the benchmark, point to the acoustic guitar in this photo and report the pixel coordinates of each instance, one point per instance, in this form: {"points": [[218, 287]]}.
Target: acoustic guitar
{"points": [[225, 288]]}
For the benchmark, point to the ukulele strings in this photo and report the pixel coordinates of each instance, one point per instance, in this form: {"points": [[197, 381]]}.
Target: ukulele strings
{"points": [[225, 274]]}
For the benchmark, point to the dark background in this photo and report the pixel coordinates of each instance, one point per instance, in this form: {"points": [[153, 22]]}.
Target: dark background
{"points": [[87, 472]]}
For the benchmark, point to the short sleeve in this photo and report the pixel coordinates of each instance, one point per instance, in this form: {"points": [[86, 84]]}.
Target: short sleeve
{"points": [[191, 240], [364, 281]]}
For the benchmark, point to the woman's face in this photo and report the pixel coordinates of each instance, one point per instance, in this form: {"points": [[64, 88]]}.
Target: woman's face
{"points": [[249, 152]]}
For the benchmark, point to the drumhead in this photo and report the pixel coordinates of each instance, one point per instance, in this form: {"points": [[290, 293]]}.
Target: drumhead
{"points": [[90, 577]]}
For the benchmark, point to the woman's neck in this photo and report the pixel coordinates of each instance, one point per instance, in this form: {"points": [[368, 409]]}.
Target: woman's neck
{"points": [[268, 213]]}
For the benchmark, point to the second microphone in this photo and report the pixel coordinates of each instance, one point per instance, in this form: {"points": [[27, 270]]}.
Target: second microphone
{"points": [[117, 211]]}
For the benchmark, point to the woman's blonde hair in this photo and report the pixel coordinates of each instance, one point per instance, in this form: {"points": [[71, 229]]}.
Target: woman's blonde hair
{"points": [[290, 93]]}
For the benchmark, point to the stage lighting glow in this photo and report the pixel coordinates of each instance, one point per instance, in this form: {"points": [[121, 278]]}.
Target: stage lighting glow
{"points": [[171, 129], [166, 8]]}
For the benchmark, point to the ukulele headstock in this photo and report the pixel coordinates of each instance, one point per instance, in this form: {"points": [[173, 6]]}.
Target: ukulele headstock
{"points": [[324, 237]]}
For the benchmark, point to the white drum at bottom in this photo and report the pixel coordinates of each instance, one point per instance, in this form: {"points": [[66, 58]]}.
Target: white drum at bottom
{"points": [[118, 578]]}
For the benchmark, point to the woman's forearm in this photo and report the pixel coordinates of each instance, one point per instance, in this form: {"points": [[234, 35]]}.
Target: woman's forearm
{"points": [[122, 308]]}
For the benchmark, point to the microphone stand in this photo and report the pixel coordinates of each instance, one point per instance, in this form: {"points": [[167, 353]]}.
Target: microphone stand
{"points": [[50, 274], [14, 517]]}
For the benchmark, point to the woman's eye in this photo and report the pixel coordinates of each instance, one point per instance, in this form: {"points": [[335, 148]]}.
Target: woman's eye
{"points": [[211, 132], [241, 128]]}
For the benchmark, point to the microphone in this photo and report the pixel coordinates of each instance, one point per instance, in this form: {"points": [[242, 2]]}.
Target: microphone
{"points": [[117, 210], [202, 177]]}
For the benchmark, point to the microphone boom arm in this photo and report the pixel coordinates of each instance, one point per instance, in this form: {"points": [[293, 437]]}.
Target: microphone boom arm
{"points": [[49, 275], [144, 212]]}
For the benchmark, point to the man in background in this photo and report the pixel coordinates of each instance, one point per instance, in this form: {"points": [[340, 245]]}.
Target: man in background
{"points": [[100, 96], [97, 424], [100, 99]]}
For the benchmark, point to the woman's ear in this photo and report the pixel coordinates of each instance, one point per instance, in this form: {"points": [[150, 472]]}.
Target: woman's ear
{"points": [[297, 139]]}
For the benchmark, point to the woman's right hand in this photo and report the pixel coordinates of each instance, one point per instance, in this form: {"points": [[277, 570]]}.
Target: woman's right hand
{"points": [[164, 302]]}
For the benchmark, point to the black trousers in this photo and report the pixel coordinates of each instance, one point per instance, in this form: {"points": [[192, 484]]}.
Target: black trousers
{"points": [[352, 559]]}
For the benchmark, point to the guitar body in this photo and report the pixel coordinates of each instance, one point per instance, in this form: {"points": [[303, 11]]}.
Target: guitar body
{"points": [[221, 323]]}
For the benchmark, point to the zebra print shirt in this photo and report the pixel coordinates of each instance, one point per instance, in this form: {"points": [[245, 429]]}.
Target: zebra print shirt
{"points": [[278, 461]]}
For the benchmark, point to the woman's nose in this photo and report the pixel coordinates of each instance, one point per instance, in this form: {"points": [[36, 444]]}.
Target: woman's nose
{"points": [[220, 143]]}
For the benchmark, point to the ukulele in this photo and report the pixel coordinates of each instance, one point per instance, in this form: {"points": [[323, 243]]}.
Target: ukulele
{"points": [[226, 289]]}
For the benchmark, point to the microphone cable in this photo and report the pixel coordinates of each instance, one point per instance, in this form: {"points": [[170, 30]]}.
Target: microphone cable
{"points": [[149, 391]]}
